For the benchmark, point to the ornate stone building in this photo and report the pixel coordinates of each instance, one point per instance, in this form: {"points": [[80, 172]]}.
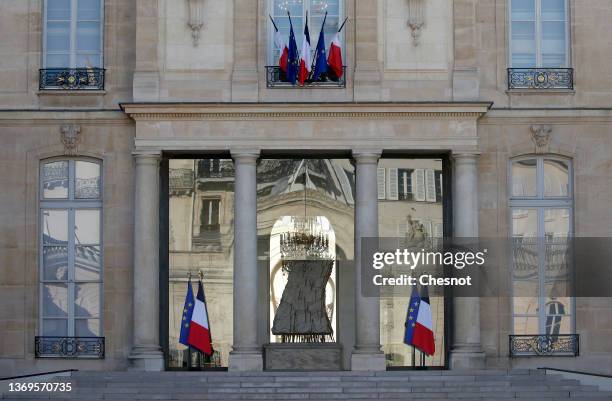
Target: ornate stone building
{"points": [[144, 141]]}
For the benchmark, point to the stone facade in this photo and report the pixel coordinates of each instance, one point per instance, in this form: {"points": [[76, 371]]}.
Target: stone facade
{"points": [[163, 95]]}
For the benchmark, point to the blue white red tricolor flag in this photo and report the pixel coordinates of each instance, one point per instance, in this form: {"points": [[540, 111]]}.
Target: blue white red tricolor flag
{"points": [[305, 66], [419, 328], [335, 57], [284, 50], [195, 328]]}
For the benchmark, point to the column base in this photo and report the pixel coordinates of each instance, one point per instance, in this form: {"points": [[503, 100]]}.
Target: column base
{"points": [[146, 359], [467, 359], [368, 361], [245, 361]]}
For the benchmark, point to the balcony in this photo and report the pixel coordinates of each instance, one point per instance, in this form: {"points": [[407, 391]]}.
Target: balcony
{"points": [[275, 78], [69, 347], [72, 79], [541, 78], [544, 345]]}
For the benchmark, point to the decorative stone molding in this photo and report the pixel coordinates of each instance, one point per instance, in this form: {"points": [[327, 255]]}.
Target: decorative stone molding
{"points": [[195, 19], [540, 135], [70, 135], [416, 19]]}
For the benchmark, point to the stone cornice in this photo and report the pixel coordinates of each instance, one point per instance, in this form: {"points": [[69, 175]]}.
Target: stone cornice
{"points": [[304, 111]]}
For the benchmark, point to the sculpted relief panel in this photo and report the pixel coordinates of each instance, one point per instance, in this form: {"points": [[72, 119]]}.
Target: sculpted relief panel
{"points": [[417, 35]]}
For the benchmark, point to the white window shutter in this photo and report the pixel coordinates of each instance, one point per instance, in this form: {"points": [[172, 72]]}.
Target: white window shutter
{"points": [[418, 182], [381, 183], [430, 185], [392, 184], [438, 230]]}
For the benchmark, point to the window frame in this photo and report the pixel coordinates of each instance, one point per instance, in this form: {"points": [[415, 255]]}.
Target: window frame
{"points": [[72, 53], [540, 203], [538, 36], [314, 35], [70, 204]]}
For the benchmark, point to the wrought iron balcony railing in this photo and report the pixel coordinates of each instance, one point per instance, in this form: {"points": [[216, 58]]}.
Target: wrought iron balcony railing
{"points": [[544, 345], [69, 347], [541, 78], [275, 78], [72, 79]]}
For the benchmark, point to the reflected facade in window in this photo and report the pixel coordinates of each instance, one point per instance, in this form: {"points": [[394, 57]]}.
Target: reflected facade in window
{"points": [[410, 206], [71, 248], [201, 237], [541, 224]]}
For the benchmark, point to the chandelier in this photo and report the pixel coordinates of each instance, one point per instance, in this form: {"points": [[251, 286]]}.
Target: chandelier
{"points": [[305, 239]]}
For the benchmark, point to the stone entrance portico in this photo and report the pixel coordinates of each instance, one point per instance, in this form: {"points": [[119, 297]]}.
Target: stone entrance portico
{"points": [[245, 131]]}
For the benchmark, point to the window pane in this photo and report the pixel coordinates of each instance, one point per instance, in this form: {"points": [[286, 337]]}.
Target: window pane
{"points": [[58, 36], [88, 61], [87, 300], [58, 10], [524, 305], [88, 36], [55, 300], [87, 327], [556, 178], [87, 227], [526, 325], [556, 225], [553, 10], [88, 10], [523, 10], [524, 178], [55, 327], [55, 263], [57, 60], [87, 180], [525, 223], [55, 180], [55, 227], [553, 44], [87, 263]]}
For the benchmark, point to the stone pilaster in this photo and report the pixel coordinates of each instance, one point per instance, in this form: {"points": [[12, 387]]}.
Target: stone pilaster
{"points": [[367, 354], [146, 351], [367, 67], [466, 350], [146, 71], [466, 84], [244, 75], [246, 352]]}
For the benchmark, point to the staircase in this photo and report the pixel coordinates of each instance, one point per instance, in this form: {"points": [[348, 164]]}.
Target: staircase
{"points": [[490, 385]]}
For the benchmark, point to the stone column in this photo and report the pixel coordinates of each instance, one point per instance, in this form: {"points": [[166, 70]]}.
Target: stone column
{"points": [[146, 352], [246, 352], [466, 351], [367, 354]]}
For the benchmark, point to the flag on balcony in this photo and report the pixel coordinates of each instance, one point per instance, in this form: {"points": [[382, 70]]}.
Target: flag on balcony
{"points": [[292, 56], [282, 46], [419, 328], [320, 64], [187, 314], [199, 329], [305, 66], [335, 57]]}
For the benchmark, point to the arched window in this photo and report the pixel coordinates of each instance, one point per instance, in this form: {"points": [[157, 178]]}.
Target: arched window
{"points": [[541, 211], [70, 248]]}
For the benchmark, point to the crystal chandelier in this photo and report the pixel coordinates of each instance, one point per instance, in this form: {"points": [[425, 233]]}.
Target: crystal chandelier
{"points": [[306, 239]]}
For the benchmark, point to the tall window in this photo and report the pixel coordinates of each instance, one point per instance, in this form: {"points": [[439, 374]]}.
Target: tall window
{"points": [[299, 8], [539, 33], [73, 34], [70, 248], [541, 222]]}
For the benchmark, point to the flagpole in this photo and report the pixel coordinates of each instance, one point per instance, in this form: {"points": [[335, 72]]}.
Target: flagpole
{"points": [[322, 26], [342, 26], [273, 23], [189, 346]]}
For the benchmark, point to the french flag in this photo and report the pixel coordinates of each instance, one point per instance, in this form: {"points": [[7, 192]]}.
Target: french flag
{"points": [[284, 55], [419, 328], [305, 66], [199, 328], [335, 57]]}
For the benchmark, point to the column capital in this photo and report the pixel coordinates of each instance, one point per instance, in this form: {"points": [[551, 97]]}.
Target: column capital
{"points": [[365, 156], [147, 154], [466, 157], [249, 155]]}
